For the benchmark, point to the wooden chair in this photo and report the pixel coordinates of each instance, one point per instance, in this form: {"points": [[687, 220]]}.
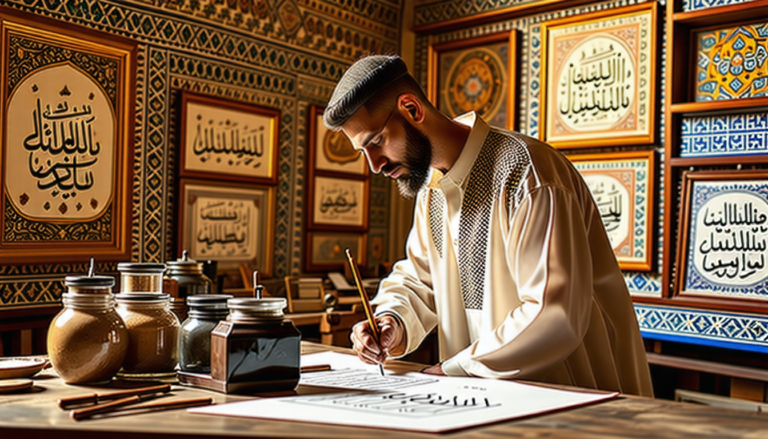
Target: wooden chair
{"points": [[23, 331]]}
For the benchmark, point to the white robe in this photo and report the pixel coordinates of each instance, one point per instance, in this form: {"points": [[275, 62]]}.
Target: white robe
{"points": [[550, 302]]}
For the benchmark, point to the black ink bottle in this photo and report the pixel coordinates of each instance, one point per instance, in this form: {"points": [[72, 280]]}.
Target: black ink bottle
{"points": [[255, 349], [205, 312]]}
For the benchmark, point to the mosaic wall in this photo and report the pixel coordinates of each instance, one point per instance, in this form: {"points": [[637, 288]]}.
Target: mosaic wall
{"points": [[284, 54]]}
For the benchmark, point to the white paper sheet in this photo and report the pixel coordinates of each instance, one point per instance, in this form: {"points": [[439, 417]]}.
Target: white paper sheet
{"points": [[411, 401]]}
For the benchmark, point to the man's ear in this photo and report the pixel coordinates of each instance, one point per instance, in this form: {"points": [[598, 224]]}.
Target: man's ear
{"points": [[410, 107]]}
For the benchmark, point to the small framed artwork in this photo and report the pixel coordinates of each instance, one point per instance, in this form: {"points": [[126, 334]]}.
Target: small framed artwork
{"points": [[623, 186], [229, 223], [331, 151], [598, 78], [325, 250], [228, 140], [67, 142], [724, 235], [476, 74], [338, 204]]}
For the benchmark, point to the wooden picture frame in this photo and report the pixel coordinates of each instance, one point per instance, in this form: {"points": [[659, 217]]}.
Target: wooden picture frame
{"points": [[598, 78], [228, 140], [331, 152], [67, 121], [228, 223], [623, 186], [338, 204], [476, 74], [325, 250], [724, 230]]}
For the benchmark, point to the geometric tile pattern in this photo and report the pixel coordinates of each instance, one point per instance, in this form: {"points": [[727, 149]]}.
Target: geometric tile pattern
{"points": [[709, 328], [279, 54], [643, 284], [695, 5], [732, 63], [732, 134]]}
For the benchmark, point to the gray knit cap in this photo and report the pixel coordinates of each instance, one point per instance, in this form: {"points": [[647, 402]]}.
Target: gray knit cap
{"points": [[361, 82]]}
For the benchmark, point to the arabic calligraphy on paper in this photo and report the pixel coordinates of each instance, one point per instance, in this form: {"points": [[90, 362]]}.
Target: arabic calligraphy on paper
{"points": [[613, 200], [61, 146], [338, 201], [599, 76], [228, 141], [730, 237], [224, 229]]}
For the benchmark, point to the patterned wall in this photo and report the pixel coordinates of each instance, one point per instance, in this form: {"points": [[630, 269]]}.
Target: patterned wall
{"points": [[284, 54], [701, 135]]}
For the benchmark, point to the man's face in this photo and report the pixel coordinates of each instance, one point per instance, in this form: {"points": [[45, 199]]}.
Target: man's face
{"points": [[393, 146]]}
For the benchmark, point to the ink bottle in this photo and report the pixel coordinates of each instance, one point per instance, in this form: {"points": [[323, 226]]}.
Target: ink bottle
{"points": [[87, 340], [141, 277], [153, 335], [255, 349], [189, 274], [205, 312]]}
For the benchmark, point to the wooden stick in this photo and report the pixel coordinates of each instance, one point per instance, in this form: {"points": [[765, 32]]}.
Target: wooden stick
{"points": [[315, 368], [111, 406], [158, 406], [93, 398]]}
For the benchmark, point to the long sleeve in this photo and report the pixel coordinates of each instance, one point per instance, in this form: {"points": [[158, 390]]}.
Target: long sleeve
{"points": [[548, 260], [408, 292]]}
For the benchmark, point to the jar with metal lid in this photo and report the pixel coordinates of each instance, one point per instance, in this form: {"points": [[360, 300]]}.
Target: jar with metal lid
{"points": [[255, 349], [153, 334], [205, 312], [89, 284], [141, 277], [87, 340], [189, 274]]}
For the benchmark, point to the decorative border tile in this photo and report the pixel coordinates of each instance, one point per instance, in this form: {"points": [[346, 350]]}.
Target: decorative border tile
{"points": [[731, 134], [718, 329], [695, 5]]}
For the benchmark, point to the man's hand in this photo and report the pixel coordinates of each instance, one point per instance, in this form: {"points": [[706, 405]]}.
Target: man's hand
{"points": [[392, 340], [437, 369]]}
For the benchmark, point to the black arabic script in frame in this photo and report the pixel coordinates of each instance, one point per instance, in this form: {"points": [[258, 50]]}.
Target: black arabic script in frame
{"points": [[65, 171]]}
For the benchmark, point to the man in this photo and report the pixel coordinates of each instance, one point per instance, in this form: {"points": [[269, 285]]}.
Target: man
{"points": [[507, 257]]}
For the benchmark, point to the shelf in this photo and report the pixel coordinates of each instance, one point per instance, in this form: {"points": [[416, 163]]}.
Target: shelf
{"points": [[684, 162], [714, 107], [723, 15]]}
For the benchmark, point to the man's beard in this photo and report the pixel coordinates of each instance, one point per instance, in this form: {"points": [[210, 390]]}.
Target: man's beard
{"points": [[418, 157]]}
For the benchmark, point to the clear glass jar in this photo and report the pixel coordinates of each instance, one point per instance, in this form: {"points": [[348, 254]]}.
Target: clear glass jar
{"points": [[87, 340], [256, 349], [141, 277], [153, 333], [205, 312], [189, 274]]}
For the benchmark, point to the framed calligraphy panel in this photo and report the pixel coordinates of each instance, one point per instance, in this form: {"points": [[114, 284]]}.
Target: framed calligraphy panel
{"points": [[724, 235], [67, 128], [229, 223], [476, 74], [338, 204], [331, 151], [228, 140], [623, 186], [598, 78], [325, 250]]}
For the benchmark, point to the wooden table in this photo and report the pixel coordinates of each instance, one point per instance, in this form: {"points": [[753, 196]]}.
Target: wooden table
{"points": [[35, 415]]}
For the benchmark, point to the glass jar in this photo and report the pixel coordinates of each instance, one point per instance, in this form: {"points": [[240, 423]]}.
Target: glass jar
{"points": [[189, 274], [87, 340], [153, 332], [255, 349], [205, 312], [89, 284], [141, 277]]}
